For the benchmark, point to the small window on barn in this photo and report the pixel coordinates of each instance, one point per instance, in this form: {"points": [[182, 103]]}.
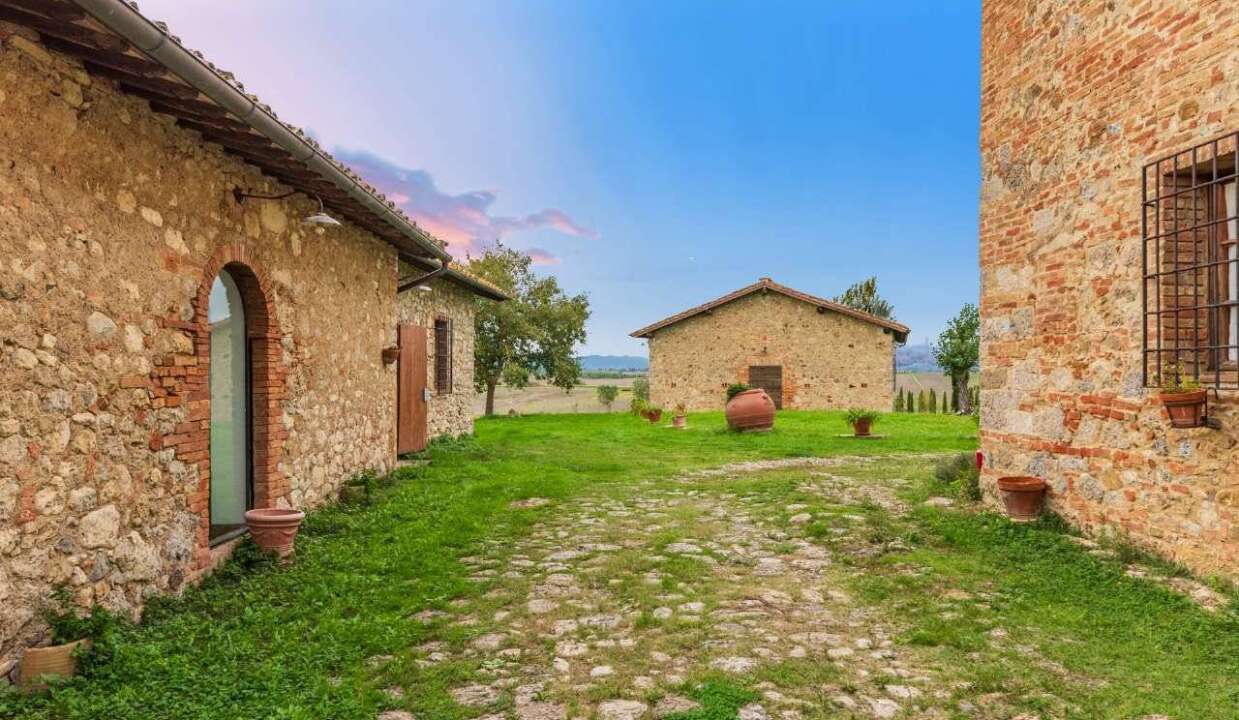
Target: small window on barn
{"points": [[1190, 225], [443, 356]]}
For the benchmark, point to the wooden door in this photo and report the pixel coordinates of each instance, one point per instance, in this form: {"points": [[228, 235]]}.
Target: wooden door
{"points": [[770, 379], [411, 389]]}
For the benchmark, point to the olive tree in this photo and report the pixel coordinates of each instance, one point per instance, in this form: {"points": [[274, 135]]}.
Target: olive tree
{"points": [[534, 333], [958, 350]]}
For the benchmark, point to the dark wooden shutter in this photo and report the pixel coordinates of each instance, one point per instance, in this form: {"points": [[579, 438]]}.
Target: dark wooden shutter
{"points": [[443, 356], [411, 389], [770, 379]]}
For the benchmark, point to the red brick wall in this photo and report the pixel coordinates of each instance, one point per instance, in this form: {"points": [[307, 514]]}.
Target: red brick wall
{"points": [[1077, 97]]}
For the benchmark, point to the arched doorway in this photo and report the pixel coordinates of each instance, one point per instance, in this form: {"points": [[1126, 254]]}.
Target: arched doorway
{"points": [[230, 383]]}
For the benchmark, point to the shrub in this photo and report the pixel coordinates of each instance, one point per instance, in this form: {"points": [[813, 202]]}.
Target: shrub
{"points": [[69, 624], [959, 473], [899, 401], [735, 389], [641, 388], [855, 415], [607, 395], [637, 406]]}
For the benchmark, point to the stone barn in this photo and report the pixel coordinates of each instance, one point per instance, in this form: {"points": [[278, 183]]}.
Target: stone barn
{"points": [[195, 303], [808, 353], [1108, 263]]}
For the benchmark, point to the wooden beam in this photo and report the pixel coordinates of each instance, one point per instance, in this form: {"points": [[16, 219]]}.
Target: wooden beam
{"points": [[63, 30], [49, 9], [158, 85], [118, 61]]}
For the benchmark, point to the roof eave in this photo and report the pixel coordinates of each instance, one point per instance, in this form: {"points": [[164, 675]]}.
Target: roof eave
{"points": [[154, 42]]}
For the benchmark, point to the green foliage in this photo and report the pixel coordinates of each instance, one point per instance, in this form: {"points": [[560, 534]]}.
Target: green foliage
{"points": [[922, 403], [641, 388], [637, 405], [535, 332], [959, 473], [855, 415], [1176, 381], [958, 348], [864, 296], [899, 400], [69, 623], [607, 395], [933, 400], [735, 389]]}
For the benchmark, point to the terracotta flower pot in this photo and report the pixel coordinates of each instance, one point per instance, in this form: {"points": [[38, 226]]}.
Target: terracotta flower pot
{"points": [[1186, 409], [56, 660], [653, 415], [750, 410], [274, 529], [861, 427], [1023, 496], [679, 421]]}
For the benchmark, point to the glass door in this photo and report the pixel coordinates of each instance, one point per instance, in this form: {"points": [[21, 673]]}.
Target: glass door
{"points": [[230, 394]]}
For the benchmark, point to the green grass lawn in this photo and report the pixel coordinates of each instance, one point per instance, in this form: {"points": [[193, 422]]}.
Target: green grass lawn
{"points": [[312, 640]]}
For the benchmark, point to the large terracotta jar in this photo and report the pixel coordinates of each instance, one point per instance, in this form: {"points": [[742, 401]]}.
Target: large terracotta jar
{"points": [[274, 529], [750, 410]]}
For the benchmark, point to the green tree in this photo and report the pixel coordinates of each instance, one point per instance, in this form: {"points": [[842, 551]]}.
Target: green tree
{"points": [[535, 332], [899, 400], [958, 350], [933, 400], [922, 402], [641, 389], [864, 296], [607, 395]]}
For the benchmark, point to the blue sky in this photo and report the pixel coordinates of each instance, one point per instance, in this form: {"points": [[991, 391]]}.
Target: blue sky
{"points": [[652, 154]]}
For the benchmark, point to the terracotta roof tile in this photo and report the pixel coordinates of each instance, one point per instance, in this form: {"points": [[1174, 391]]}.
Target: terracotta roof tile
{"points": [[770, 285]]}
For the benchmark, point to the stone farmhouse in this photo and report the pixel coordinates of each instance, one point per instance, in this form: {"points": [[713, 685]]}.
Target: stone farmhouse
{"points": [[200, 312], [808, 353], [1108, 261]]}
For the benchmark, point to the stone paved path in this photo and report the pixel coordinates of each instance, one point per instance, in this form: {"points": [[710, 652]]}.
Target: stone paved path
{"points": [[612, 605]]}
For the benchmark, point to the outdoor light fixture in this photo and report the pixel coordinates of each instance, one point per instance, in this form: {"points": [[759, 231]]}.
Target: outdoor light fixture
{"points": [[319, 218]]}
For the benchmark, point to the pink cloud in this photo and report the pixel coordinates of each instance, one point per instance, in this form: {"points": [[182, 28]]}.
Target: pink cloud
{"points": [[463, 221]]}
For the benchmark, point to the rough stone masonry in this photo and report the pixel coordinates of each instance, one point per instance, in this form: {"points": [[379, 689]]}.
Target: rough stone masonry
{"points": [[113, 223], [1077, 96]]}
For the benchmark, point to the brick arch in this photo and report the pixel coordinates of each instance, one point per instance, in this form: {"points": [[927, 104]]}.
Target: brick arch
{"points": [[268, 377]]}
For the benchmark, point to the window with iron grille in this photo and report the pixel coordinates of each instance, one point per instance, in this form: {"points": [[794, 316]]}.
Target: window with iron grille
{"points": [[443, 356], [1190, 226]]}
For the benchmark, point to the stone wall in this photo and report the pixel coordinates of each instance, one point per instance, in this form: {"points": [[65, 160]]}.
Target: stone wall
{"points": [[829, 360], [113, 222], [449, 413], [1076, 98]]}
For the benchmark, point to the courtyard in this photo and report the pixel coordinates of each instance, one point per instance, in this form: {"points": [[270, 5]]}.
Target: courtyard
{"points": [[597, 566]]}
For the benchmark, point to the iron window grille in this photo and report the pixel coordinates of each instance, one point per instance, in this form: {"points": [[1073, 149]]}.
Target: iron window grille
{"points": [[443, 356], [1190, 225]]}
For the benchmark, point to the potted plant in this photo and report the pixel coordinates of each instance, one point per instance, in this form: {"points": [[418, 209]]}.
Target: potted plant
{"points": [[748, 408], [861, 420], [274, 529], [1183, 398], [680, 419], [653, 413], [1023, 496], [71, 636], [637, 406]]}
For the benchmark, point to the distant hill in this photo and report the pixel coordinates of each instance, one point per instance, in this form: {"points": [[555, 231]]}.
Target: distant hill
{"points": [[915, 358], [613, 362]]}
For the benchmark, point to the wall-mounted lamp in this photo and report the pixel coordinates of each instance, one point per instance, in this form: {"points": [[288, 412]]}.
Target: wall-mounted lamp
{"points": [[319, 218]]}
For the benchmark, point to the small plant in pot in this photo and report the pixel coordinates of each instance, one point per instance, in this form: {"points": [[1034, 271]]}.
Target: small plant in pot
{"points": [[1183, 397], [73, 636], [680, 419], [861, 420], [653, 413]]}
